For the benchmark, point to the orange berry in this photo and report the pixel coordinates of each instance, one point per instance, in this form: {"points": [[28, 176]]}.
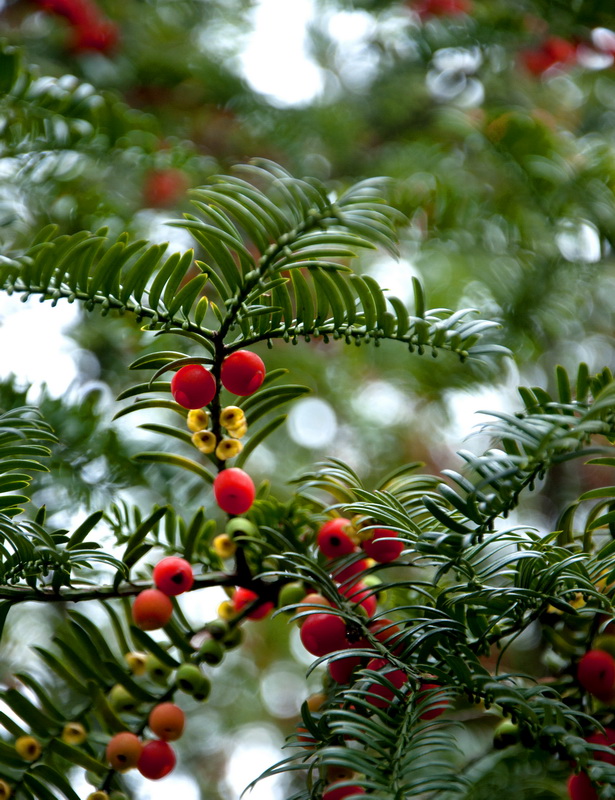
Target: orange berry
{"points": [[167, 720], [123, 751], [151, 609]]}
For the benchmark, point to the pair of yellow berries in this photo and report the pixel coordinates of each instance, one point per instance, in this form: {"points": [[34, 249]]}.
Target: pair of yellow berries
{"points": [[232, 418]]}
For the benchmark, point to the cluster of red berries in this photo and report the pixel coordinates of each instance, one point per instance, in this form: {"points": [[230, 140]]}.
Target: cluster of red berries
{"points": [[152, 608], [90, 29], [155, 758], [552, 51]]}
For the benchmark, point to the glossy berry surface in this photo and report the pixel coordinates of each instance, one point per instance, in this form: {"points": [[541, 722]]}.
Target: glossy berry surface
{"points": [[342, 668], [242, 372], [361, 593], [124, 750], [243, 597], [173, 575], [596, 673], [384, 547], [354, 569], [323, 633], [167, 721], [384, 693], [333, 541], [580, 787], [157, 759], [333, 792], [151, 609], [606, 739], [432, 713], [193, 386], [386, 631], [234, 490]]}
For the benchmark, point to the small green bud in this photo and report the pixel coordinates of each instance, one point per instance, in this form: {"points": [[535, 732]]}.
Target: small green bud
{"points": [[121, 700], [211, 652], [217, 628], [156, 670], [290, 594], [191, 680], [234, 638], [505, 734], [604, 642], [241, 525]]}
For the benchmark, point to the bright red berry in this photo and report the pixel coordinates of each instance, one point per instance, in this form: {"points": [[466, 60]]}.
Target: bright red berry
{"points": [[323, 633], [335, 792], [580, 787], [167, 720], [342, 574], [151, 609], [342, 668], [432, 713], [384, 693], [193, 386], [360, 593], [607, 739], [386, 632], [333, 541], [596, 673], [234, 490], [384, 546], [123, 751], [244, 597], [173, 575], [157, 759], [242, 372], [95, 34]]}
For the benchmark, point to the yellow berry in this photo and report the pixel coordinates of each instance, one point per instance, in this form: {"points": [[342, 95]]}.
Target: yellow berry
{"points": [[232, 417], [74, 733], [228, 448], [137, 662], [239, 431], [226, 610], [5, 790], [28, 748], [315, 701], [98, 795], [205, 441], [198, 419], [224, 546], [335, 772]]}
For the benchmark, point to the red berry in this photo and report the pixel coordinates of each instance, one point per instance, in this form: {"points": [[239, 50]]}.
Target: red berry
{"points": [[342, 668], [164, 187], [234, 490], [323, 633], [596, 673], [432, 713], [123, 751], [173, 575], [95, 34], [193, 386], [157, 760], [151, 609], [360, 593], [386, 632], [342, 574], [244, 597], [384, 694], [167, 720], [580, 787], [383, 551], [335, 792], [242, 372], [606, 739], [442, 8], [332, 539]]}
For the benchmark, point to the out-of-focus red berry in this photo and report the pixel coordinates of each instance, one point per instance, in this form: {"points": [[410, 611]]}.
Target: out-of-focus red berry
{"points": [[164, 187], [157, 759], [334, 792], [580, 787], [342, 574], [384, 546], [607, 739], [173, 575], [441, 8], [596, 673]]}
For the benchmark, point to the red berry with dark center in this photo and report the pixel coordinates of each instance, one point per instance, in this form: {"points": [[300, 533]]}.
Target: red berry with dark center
{"points": [[350, 570], [432, 713], [384, 693], [167, 720], [151, 609], [157, 760], [243, 597], [173, 575], [580, 787], [123, 751], [384, 546], [342, 668], [193, 386], [360, 593], [334, 792], [596, 673], [242, 372], [323, 633], [333, 541], [234, 490], [607, 739]]}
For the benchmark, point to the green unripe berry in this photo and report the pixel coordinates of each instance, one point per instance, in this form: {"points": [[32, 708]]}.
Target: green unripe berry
{"points": [[505, 734], [217, 628], [191, 680], [121, 700], [604, 642], [118, 796], [234, 638], [211, 652], [156, 670], [241, 526], [290, 594]]}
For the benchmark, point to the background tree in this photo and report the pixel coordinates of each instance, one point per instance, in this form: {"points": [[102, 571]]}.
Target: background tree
{"points": [[493, 122]]}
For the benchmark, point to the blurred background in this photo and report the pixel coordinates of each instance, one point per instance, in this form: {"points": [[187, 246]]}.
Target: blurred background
{"points": [[496, 122]]}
